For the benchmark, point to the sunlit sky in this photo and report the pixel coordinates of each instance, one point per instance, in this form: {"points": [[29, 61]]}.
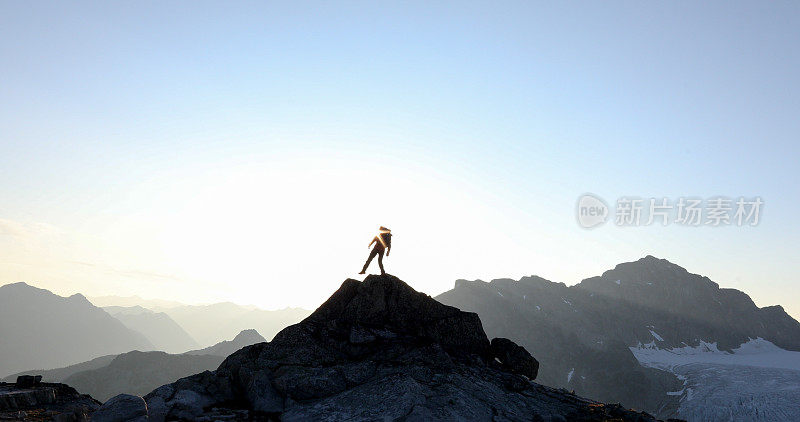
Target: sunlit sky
{"points": [[248, 152]]}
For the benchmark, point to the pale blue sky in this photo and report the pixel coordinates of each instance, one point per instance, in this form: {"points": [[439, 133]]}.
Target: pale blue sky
{"points": [[495, 116]]}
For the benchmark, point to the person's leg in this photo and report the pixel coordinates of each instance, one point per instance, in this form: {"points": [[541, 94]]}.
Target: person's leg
{"points": [[380, 261], [366, 264]]}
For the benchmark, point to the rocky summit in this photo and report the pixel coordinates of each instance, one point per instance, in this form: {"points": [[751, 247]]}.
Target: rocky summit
{"points": [[375, 350]]}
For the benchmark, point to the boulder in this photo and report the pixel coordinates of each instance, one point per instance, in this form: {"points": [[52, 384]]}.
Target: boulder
{"points": [[28, 381], [122, 408], [514, 358]]}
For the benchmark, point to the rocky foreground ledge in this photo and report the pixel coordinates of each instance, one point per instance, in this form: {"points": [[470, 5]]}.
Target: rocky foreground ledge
{"points": [[376, 350], [29, 399]]}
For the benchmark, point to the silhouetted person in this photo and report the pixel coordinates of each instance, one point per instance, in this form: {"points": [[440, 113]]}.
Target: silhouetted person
{"points": [[383, 242]]}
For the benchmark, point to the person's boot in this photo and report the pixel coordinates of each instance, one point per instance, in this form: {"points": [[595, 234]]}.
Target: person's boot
{"points": [[363, 272]]}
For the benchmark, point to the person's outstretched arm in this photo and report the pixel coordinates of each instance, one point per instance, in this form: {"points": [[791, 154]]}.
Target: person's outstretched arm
{"points": [[374, 239]]}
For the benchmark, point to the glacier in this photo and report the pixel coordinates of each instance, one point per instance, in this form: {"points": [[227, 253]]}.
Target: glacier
{"points": [[758, 381]]}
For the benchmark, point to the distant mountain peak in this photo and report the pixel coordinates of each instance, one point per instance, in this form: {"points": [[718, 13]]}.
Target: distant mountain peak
{"points": [[249, 336], [17, 284], [21, 286], [77, 297], [650, 261], [129, 310], [535, 280]]}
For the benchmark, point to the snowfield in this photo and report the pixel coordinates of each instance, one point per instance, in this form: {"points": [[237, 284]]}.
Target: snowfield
{"points": [[757, 382]]}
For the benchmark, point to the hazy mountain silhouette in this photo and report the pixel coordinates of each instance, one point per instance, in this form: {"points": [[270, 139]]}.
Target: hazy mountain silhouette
{"points": [[138, 373], [60, 374], [165, 334], [128, 301], [42, 330], [591, 327], [211, 324], [225, 348], [375, 350]]}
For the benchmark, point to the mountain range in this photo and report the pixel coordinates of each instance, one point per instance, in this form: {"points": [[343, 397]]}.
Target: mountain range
{"points": [[129, 301], [206, 324], [211, 324], [599, 337], [647, 334], [138, 372], [165, 334], [42, 330]]}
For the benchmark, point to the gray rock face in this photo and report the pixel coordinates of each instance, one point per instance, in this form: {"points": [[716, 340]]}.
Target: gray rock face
{"points": [[377, 350], [122, 408]]}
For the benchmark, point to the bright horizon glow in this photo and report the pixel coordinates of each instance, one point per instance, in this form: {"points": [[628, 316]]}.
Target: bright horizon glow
{"points": [[248, 152]]}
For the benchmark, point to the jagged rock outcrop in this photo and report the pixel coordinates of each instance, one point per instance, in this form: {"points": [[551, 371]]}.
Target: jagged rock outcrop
{"points": [[377, 350], [31, 400]]}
